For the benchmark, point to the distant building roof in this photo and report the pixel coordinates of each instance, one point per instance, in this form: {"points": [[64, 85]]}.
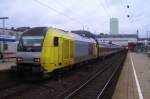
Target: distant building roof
{"points": [[144, 39], [117, 36]]}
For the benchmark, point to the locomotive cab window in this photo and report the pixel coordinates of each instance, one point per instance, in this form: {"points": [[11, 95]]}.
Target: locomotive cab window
{"points": [[55, 41]]}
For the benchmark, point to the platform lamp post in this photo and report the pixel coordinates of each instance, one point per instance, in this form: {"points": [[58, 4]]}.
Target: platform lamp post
{"points": [[137, 38], [147, 40], [3, 20], [147, 35]]}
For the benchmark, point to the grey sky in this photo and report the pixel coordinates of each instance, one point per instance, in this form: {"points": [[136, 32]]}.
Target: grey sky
{"points": [[74, 14]]}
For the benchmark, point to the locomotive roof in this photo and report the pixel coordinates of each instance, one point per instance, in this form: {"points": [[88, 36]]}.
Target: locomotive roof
{"points": [[35, 30], [106, 44], [81, 38]]}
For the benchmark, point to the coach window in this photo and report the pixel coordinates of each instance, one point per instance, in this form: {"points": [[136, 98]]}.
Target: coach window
{"points": [[55, 41]]}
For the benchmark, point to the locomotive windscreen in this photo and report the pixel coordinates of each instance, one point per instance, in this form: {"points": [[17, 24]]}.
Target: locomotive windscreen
{"points": [[31, 40]]}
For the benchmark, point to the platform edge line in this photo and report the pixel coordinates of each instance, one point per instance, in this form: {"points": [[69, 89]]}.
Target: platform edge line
{"points": [[136, 79]]}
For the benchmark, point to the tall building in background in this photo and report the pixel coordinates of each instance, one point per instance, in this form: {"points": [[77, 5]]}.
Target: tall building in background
{"points": [[114, 26]]}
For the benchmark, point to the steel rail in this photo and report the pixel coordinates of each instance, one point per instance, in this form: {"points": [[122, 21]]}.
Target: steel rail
{"points": [[108, 82], [91, 79]]}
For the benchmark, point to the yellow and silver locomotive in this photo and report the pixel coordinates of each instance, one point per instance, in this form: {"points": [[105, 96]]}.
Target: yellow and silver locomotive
{"points": [[43, 50]]}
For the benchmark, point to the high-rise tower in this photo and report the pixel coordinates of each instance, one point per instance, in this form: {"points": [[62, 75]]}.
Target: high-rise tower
{"points": [[114, 26]]}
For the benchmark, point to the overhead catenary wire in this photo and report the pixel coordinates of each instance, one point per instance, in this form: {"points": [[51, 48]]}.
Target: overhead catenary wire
{"points": [[125, 11], [84, 27], [131, 18], [105, 10], [127, 14], [63, 6], [58, 12], [130, 8], [106, 3]]}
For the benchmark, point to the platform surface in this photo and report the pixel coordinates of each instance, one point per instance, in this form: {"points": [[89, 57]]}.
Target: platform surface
{"points": [[127, 85], [6, 65]]}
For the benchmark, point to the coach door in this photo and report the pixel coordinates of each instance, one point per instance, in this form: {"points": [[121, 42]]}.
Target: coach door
{"points": [[65, 52]]}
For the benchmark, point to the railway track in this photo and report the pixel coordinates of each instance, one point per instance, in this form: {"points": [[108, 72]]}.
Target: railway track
{"points": [[8, 92], [95, 87], [60, 86]]}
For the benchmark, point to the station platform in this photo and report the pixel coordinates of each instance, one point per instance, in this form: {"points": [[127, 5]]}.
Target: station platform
{"points": [[134, 80], [6, 65]]}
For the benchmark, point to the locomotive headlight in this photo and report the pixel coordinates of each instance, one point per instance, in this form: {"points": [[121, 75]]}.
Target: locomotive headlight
{"points": [[37, 60], [19, 59]]}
